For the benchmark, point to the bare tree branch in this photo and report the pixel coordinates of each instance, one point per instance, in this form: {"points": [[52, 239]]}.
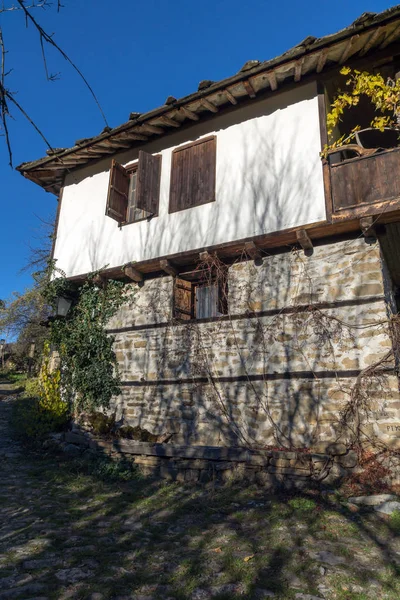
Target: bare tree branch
{"points": [[44, 36]]}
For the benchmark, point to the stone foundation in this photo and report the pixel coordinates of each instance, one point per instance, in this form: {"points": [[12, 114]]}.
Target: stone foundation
{"points": [[279, 369], [201, 464]]}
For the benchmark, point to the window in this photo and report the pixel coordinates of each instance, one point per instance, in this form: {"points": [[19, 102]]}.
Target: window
{"points": [[199, 299], [134, 192], [193, 171]]}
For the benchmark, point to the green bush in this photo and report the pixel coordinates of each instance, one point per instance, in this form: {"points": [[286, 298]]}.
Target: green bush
{"points": [[395, 522], [32, 423], [302, 505], [32, 388]]}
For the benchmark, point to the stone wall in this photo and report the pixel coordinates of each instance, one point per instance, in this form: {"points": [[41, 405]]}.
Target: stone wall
{"points": [[279, 369]]}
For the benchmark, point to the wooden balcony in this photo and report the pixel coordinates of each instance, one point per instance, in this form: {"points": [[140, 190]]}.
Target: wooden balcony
{"points": [[365, 185]]}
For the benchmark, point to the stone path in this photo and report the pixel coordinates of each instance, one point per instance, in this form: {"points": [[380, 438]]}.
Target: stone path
{"points": [[67, 533]]}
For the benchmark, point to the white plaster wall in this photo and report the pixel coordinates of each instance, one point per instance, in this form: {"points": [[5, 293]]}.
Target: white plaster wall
{"points": [[269, 178]]}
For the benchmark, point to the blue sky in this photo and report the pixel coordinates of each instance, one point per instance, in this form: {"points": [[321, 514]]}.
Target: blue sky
{"points": [[134, 54]]}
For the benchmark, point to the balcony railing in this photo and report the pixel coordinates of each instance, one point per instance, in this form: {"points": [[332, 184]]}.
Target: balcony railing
{"points": [[365, 184]]}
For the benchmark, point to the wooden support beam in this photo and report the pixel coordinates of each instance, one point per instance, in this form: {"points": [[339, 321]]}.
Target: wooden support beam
{"points": [[249, 88], [133, 137], [166, 266], [204, 256], [322, 59], [99, 280], [349, 46], [133, 274], [371, 41], [298, 68], [367, 227], [304, 240], [189, 114], [168, 121], [151, 128], [252, 250], [97, 150], [272, 81], [209, 105], [390, 38], [230, 97]]}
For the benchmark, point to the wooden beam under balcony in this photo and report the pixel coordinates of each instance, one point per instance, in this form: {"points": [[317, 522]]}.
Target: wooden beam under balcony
{"points": [[230, 97], [209, 105], [367, 227], [252, 250], [272, 80], [189, 114], [167, 267], [249, 88], [304, 240], [133, 274]]}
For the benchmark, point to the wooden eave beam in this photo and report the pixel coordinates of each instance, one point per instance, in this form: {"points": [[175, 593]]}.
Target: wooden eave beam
{"points": [[209, 105], [96, 149], [304, 240], [133, 274], [134, 137], [189, 114], [272, 80], [113, 144], [298, 69], [168, 121], [167, 267], [152, 129], [348, 48], [253, 250], [322, 59], [371, 41], [249, 88], [230, 97], [389, 38]]}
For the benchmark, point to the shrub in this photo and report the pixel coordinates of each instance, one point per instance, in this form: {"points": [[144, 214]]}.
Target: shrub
{"points": [[44, 411], [395, 522]]}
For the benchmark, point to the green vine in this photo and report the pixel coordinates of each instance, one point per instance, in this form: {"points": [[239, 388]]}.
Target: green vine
{"points": [[89, 371]]}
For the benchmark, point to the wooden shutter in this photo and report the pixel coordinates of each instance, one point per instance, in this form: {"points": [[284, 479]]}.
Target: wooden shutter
{"points": [[118, 191], [148, 182], [193, 175], [183, 299], [206, 301]]}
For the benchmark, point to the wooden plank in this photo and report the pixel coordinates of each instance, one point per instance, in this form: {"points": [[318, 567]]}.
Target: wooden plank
{"points": [[133, 274], [348, 48], [189, 114], [249, 88], [230, 97], [304, 240], [132, 137], [204, 256], [167, 266], [253, 250], [326, 173], [209, 105], [271, 76]]}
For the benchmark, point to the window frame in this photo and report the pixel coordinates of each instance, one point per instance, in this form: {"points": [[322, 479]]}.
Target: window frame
{"points": [[187, 147], [222, 302]]}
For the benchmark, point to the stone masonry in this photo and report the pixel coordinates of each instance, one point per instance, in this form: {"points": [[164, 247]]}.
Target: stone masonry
{"points": [[280, 368]]}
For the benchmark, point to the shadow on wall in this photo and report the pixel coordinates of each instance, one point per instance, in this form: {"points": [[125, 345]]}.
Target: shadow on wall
{"points": [[267, 180]]}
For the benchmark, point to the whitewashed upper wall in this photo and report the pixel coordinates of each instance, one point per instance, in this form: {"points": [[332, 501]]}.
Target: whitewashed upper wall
{"points": [[269, 178]]}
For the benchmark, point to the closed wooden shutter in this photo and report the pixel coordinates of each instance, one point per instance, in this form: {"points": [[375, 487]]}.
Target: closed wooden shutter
{"points": [[118, 191], [206, 301], [148, 183], [183, 299], [193, 175]]}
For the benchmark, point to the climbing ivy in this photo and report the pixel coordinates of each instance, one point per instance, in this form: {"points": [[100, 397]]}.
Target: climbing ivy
{"points": [[89, 372]]}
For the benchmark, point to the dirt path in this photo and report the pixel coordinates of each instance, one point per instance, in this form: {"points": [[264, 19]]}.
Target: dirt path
{"points": [[65, 533]]}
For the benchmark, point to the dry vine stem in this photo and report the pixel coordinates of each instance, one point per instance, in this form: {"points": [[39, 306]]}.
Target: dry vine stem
{"points": [[329, 331]]}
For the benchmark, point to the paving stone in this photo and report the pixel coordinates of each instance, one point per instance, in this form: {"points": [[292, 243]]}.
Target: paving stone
{"points": [[72, 575], [387, 508], [373, 500]]}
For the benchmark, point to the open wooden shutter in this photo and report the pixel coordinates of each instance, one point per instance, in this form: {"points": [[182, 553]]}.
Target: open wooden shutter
{"points": [[193, 175], [183, 299], [148, 182], [118, 192]]}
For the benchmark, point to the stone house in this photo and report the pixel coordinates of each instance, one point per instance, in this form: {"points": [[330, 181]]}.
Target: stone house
{"points": [[265, 305]]}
